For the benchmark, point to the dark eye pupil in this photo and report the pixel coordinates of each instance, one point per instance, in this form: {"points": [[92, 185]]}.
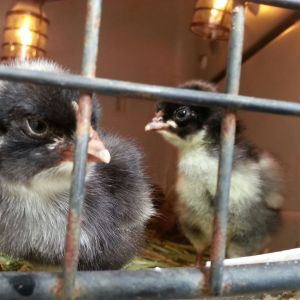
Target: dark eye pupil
{"points": [[181, 113], [37, 126]]}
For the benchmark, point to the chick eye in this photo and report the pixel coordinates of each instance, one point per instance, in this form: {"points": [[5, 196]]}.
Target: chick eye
{"points": [[182, 114], [36, 127]]}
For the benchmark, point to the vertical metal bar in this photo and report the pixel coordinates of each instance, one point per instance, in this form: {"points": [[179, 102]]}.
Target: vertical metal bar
{"points": [[91, 40], [82, 137], [226, 151]]}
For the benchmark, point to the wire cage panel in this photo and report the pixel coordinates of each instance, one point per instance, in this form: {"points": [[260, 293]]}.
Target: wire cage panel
{"points": [[179, 283]]}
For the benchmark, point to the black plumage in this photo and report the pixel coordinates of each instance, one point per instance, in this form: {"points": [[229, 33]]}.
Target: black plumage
{"points": [[37, 125], [255, 195]]}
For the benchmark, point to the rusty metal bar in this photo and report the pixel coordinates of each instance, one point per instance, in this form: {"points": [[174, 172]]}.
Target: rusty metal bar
{"points": [[84, 113], [226, 151], [173, 283], [152, 92], [91, 38]]}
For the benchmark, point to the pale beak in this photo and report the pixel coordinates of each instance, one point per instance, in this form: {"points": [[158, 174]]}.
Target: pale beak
{"points": [[96, 150], [157, 123]]}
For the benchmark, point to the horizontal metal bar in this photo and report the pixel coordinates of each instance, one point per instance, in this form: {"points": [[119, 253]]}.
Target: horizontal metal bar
{"points": [[261, 278], [176, 283], [291, 4], [153, 92]]}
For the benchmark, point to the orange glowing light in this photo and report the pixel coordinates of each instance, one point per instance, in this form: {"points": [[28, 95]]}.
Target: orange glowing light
{"points": [[212, 19], [25, 33]]}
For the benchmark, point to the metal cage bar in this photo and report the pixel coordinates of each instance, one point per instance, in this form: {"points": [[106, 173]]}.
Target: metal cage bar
{"points": [[159, 283], [84, 113], [226, 151], [151, 92], [172, 283]]}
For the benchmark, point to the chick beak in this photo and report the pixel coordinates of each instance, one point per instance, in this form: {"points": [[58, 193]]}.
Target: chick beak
{"points": [[157, 123], [96, 150]]}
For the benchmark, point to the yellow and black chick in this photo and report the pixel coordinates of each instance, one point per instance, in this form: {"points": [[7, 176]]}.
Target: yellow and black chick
{"points": [[37, 137], [255, 192]]}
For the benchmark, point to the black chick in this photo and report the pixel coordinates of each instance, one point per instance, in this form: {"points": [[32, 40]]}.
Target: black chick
{"points": [[37, 126], [255, 184]]}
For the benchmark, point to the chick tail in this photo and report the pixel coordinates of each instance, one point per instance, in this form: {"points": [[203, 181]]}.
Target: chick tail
{"points": [[272, 181]]}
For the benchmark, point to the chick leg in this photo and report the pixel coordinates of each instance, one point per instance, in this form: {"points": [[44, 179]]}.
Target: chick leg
{"points": [[195, 235], [200, 262]]}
